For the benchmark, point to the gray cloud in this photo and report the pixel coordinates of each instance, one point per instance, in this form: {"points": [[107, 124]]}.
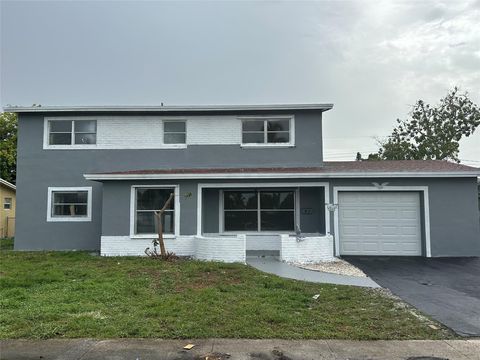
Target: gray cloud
{"points": [[372, 59]]}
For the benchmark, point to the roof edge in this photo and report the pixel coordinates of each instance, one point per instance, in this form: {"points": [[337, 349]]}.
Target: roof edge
{"points": [[311, 175], [8, 184], [170, 108]]}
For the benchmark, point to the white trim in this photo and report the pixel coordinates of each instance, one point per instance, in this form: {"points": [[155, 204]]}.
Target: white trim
{"points": [[297, 209], [176, 191], [426, 208], [178, 145], [51, 218], [8, 184], [174, 108], [266, 144], [167, 147], [285, 175], [202, 186], [72, 146], [221, 215]]}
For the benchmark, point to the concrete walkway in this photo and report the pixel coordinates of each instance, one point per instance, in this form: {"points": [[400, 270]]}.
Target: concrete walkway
{"points": [[220, 349], [273, 266]]}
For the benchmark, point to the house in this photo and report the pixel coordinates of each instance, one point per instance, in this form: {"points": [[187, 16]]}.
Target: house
{"points": [[246, 180], [7, 212]]}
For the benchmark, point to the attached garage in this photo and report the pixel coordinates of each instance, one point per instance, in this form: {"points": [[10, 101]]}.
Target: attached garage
{"points": [[384, 223]]}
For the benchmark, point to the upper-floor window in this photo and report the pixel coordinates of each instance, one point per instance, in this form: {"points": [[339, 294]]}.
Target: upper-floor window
{"points": [[175, 132], [72, 132], [271, 131], [7, 203]]}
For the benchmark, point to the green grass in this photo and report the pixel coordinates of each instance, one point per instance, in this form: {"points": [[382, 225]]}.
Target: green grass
{"points": [[74, 294]]}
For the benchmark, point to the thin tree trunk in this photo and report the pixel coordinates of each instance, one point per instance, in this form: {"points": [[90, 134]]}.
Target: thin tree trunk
{"points": [[159, 216], [163, 253]]}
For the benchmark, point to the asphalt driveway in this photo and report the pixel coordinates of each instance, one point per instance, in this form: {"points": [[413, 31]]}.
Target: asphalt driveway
{"points": [[447, 289]]}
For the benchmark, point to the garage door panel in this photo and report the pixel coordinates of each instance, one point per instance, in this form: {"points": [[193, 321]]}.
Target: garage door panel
{"points": [[351, 230], [370, 246], [350, 214], [368, 214], [371, 230], [410, 230], [379, 223], [390, 247], [409, 215], [389, 230], [389, 214]]}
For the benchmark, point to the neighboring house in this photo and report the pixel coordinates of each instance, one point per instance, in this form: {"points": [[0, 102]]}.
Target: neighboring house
{"points": [[92, 177], [7, 212]]}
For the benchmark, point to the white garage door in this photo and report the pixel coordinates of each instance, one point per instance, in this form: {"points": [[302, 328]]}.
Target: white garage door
{"points": [[379, 223]]}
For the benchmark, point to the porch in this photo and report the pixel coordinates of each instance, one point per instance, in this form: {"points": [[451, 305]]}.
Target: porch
{"points": [[226, 221], [289, 221]]}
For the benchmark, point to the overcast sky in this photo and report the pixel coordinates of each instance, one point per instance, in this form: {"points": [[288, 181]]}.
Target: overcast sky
{"points": [[372, 59]]}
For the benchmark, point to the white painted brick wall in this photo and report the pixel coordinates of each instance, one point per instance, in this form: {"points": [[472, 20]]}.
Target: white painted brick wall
{"points": [[126, 246], [263, 242], [221, 248], [310, 250], [202, 130], [126, 132], [146, 132], [217, 248]]}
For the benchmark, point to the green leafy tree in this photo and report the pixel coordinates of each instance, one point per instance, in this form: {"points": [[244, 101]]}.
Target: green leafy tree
{"points": [[8, 146], [432, 132], [370, 157]]}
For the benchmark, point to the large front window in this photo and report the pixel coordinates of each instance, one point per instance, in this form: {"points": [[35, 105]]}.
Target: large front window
{"points": [[259, 210], [147, 202]]}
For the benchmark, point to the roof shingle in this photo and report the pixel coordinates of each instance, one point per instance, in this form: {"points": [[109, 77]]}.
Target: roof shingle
{"points": [[387, 166]]}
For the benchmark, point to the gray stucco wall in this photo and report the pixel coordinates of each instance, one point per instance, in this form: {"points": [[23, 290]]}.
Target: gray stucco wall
{"points": [[314, 221], [210, 214], [37, 169]]}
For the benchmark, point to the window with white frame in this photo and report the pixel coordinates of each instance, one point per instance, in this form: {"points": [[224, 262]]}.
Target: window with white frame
{"points": [[72, 132], [174, 132], [69, 204], [274, 130], [147, 202], [7, 203], [259, 210]]}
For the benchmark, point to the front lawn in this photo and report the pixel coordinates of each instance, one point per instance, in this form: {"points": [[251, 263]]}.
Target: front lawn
{"points": [[74, 294]]}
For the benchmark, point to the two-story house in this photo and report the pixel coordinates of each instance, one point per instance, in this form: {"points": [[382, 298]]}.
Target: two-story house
{"points": [[246, 179]]}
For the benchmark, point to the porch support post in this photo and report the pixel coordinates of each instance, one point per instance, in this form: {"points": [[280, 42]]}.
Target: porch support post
{"points": [[199, 209]]}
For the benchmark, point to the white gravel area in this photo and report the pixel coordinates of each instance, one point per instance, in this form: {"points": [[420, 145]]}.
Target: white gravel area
{"points": [[340, 267]]}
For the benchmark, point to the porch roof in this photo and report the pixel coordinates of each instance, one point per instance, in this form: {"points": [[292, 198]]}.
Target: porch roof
{"points": [[330, 169]]}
